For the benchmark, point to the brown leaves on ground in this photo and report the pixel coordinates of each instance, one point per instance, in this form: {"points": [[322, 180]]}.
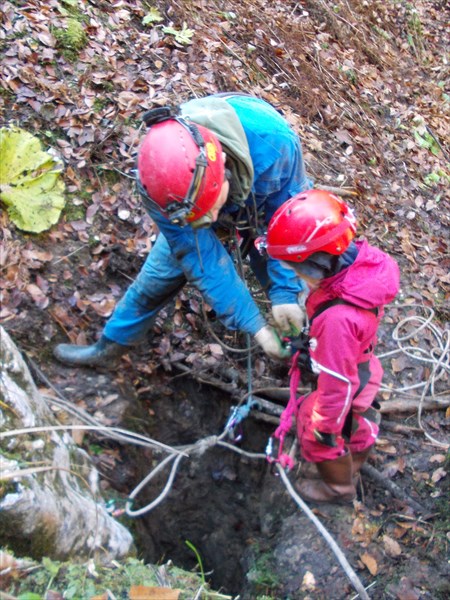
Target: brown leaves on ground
{"points": [[365, 90]]}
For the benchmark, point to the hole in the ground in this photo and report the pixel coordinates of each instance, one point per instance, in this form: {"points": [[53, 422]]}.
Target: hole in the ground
{"points": [[214, 500]]}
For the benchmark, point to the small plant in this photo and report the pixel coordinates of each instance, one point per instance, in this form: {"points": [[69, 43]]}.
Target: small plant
{"points": [[414, 30], [424, 138], [262, 576], [439, 176], [199, 559], [182, 36], [153, 16], [72, 38]]}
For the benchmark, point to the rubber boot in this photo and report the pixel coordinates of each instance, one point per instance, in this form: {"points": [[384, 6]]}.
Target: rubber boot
{"points": [[308, 470], [359, 458], [336, 484], [104, 353]]}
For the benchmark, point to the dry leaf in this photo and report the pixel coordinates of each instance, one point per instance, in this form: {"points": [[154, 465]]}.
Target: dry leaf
{"points": [[7, 561], [143, 592], [370, 563], [309, 582], [78, 436], [391, 547], [439, 458], [438, 475]]}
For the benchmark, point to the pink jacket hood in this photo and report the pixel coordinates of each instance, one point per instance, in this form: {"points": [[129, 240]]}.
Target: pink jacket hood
{"points": [[372, 280]]}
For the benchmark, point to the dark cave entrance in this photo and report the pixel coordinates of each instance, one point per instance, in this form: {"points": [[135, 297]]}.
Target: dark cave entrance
{"points": [[214, 501]]}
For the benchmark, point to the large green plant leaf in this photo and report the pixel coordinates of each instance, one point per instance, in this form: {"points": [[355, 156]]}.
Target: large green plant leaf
{"points": [[30, 181]]}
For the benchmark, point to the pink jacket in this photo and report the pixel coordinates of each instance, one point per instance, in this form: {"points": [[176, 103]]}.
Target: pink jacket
{"points": [[346, 335]]}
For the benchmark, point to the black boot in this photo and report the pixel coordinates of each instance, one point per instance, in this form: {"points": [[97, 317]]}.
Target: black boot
{"points": [[104, 353]]}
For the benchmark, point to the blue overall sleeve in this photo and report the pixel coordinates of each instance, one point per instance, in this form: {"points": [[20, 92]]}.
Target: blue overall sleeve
{"points": [[279, 174], [208, 266]]}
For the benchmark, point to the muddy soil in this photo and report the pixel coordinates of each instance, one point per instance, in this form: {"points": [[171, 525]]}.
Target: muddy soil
{"points": [[252, 539]]}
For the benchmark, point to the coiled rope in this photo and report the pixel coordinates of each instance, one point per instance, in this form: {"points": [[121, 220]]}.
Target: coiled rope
{"points": [[437, 357]]}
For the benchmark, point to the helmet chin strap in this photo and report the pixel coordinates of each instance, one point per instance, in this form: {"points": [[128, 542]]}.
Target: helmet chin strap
{"points": [[203, 222]]}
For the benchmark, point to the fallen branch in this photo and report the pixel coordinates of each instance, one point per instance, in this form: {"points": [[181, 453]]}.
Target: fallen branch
{"points": [[392, 406], [339, 191], [399, 427], [391, 487], [262, 416]]}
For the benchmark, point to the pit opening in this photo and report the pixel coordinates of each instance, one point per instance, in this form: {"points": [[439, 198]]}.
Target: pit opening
{"points": [[214, 502]]}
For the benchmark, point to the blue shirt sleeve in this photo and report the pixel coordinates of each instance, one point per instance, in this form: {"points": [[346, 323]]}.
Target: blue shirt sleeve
{"points": [[285, 178], [208, 266]]}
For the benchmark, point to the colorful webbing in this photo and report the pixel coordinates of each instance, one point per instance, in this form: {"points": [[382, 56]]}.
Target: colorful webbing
{"points": [[288, 417]]}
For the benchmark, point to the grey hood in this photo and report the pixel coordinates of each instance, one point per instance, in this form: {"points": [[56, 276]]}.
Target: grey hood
{"points": [[221, 118]]}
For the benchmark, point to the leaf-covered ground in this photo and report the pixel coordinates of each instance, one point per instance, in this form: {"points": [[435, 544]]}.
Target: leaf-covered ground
{"points": [[366, 86]]}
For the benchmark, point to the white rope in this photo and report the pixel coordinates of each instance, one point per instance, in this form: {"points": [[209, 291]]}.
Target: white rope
{"points": [[437, 357], [324, 532], [163, 494], [133, 438]]}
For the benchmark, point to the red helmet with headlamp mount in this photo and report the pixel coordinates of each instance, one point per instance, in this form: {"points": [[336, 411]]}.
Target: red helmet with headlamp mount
{"points": [[312, 221], [181, 169]]}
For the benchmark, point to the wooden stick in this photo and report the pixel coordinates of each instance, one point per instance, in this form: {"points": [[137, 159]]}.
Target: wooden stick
{"points": [[338, 191], [391, 487], [392, 406], [399, 427]]}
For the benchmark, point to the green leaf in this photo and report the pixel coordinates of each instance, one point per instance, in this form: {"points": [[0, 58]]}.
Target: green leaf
{"points": [[153, 16], [29, 596], [50, 566], [182, 36], [30, 181]]}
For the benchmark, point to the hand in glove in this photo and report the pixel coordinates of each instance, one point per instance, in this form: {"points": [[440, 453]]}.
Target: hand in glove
{"points": [[269, 341], [288, 318]]}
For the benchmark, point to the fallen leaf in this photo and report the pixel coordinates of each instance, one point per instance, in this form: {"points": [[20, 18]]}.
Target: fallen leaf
{"points": [[391, 547], [309, 582], [438, 475], [143, 592], [39, 298], [30, 181], [439, 458], [370, 563]]}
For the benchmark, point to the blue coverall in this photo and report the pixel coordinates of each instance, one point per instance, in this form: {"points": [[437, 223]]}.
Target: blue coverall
{"points": [[279, 174]]}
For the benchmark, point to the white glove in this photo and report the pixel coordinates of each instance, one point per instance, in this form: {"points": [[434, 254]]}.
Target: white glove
{"points": [[289, 318], [269, 341]]}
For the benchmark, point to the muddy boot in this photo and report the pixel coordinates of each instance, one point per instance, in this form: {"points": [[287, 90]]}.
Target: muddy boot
{"points": [[359, 458], [308, 470], [336, 484], [104, 353]]}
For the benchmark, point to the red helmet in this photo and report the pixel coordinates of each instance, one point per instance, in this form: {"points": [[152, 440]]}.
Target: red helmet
{"points": [[312, 221], [181, 169]]}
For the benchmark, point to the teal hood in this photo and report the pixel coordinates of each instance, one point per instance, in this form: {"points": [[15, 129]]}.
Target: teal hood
{"points": [[221, 118]]}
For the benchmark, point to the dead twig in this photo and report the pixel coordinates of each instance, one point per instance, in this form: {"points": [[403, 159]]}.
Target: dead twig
{"points": [[394, 406], [399, 428], [391, 487], [339, 191]]}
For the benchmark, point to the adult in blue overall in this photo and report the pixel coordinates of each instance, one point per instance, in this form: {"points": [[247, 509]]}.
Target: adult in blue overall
{"points": [[226, 158]]}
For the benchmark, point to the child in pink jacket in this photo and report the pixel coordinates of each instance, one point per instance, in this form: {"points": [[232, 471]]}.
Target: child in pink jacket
{"points": [[350, 282]]}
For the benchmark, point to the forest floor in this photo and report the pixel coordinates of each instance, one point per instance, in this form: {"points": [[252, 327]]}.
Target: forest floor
{"points": [[366, 86]]}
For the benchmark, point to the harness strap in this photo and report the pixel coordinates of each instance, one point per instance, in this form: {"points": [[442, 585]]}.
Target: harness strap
{"points": [[334, 301], [287, 419], [289, 414]]}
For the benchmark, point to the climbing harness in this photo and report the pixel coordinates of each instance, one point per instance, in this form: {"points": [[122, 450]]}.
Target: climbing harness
{"points": [[305, 369], [287, 418]]}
